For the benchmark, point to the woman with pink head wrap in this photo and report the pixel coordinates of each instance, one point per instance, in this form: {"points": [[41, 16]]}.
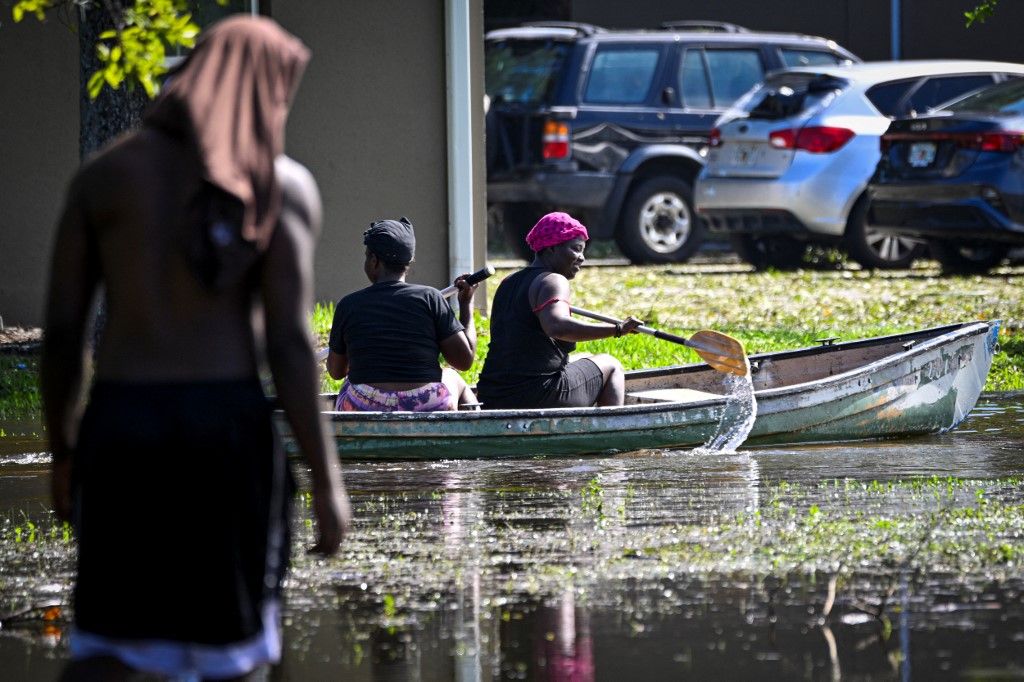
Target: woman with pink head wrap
{"points": [[532, 332]]}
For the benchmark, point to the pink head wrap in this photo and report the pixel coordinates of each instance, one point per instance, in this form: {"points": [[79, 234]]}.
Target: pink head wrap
{"points": [[554, 229]]}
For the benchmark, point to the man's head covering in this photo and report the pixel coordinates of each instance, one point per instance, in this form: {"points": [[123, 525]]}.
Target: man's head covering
{"points": [[230, 98], [554, 229], [393, 241]]}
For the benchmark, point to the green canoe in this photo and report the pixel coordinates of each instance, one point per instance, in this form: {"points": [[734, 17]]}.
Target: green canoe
{"points": [[919, 382]]}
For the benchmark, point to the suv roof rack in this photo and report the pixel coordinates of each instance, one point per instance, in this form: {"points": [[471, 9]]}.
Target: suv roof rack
{"points": [[705, 26], [585, 29]]}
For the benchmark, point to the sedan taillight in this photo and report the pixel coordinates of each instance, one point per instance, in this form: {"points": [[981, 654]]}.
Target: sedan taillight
{"points": [[556, 140], [814, 139], [1006, 142]]}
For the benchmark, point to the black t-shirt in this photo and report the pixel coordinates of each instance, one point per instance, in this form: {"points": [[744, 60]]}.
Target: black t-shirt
{"points": [[392, 332]]}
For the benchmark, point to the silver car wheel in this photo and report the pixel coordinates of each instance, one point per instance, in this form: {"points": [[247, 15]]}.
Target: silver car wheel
{"points": [[665, 222], [889, 247]]}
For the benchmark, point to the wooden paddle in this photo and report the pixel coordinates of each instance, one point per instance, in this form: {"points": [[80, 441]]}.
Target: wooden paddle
{"points": [[719, 350], [474, 278]]}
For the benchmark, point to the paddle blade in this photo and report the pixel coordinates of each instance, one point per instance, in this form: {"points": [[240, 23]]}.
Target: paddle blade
{"points": [[721, 351]]}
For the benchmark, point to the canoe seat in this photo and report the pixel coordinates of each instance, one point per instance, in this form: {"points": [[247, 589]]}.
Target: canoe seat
{"points": [[671, 395]]}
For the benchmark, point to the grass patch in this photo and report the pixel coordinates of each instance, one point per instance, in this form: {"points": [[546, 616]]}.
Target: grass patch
{"points": [[771, 311]]}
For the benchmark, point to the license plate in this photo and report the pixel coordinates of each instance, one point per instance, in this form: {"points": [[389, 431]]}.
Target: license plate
{"points": [[748, 155], [921, 154]]}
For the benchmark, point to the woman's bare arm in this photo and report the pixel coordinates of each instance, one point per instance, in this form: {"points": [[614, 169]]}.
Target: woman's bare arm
{"points": [[554, 317], [337, 365], [459, 349]]}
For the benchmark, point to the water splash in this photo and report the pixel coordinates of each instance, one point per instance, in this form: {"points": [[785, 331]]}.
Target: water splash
{"points": [[737, 417]]}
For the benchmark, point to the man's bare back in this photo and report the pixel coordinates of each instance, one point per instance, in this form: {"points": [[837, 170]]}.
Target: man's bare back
{"points": [[163, 324]]}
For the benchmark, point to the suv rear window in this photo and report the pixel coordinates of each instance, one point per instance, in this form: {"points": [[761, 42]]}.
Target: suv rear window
{"points": [[788, 94], [523, 71], [621, 75]]}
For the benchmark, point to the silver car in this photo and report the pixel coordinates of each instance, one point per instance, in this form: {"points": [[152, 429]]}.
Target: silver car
{"points": [[789, 163]]}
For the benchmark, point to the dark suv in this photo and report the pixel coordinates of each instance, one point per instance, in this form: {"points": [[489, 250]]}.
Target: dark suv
{"points": [[612, 125]]}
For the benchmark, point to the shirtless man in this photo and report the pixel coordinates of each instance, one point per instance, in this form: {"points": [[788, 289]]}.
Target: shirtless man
{"points": [[172, 478]]}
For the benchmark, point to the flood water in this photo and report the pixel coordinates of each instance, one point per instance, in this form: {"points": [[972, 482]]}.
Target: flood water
{"points": [[881, 560]]}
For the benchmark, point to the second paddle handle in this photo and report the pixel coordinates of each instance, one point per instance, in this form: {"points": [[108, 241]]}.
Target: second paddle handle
{"points": [[474, 278]]}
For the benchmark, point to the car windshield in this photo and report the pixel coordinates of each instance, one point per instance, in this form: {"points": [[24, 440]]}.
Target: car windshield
{"points": [[787, 94], [1004, 98], [523, 71]]}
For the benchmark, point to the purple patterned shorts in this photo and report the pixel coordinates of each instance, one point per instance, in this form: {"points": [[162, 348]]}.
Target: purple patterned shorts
{"points": [[366, 398]]}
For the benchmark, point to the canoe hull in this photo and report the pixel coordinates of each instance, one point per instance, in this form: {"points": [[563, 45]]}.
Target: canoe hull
{"points": [[929, 392], [929, 386]]}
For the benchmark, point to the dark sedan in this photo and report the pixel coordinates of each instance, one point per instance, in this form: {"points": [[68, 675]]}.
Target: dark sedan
{"points": [[955, 177]]}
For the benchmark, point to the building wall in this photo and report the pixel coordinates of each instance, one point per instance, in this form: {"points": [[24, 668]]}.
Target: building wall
{"points": [[935, 28], [369, 120], [38, 154]]}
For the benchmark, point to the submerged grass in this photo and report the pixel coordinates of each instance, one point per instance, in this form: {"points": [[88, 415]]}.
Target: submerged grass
{"points": [[858, 537], [840, 542], [19, 386], [771, 311]]}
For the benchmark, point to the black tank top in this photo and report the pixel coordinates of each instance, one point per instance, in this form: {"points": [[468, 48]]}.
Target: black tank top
{"points": [[521, 358]]}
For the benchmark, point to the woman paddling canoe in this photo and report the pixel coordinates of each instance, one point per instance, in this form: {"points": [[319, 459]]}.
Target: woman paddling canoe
{"points": [[532, 333]]}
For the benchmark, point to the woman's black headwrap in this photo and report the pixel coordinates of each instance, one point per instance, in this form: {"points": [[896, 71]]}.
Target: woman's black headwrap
{"points": [[393, 241]]}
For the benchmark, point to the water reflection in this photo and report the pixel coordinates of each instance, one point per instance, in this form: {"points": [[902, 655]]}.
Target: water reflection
{"points": [[596, 568]]}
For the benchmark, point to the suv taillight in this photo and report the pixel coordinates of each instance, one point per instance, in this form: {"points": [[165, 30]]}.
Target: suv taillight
{"points": [[715, 138], [556, 140], [814, 139]]}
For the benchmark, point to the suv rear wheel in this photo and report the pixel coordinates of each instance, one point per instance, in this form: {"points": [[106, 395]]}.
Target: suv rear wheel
{"points": [[874, 249], [658, 222], [965, 259]]}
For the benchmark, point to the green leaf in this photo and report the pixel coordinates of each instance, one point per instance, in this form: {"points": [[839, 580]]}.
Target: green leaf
{"points": [[148, 85], [112, 76], [19, 13], [95, 84], [982, 11]]}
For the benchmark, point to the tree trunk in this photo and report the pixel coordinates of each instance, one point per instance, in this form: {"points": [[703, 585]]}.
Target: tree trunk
{"points": [[114, 111]]}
